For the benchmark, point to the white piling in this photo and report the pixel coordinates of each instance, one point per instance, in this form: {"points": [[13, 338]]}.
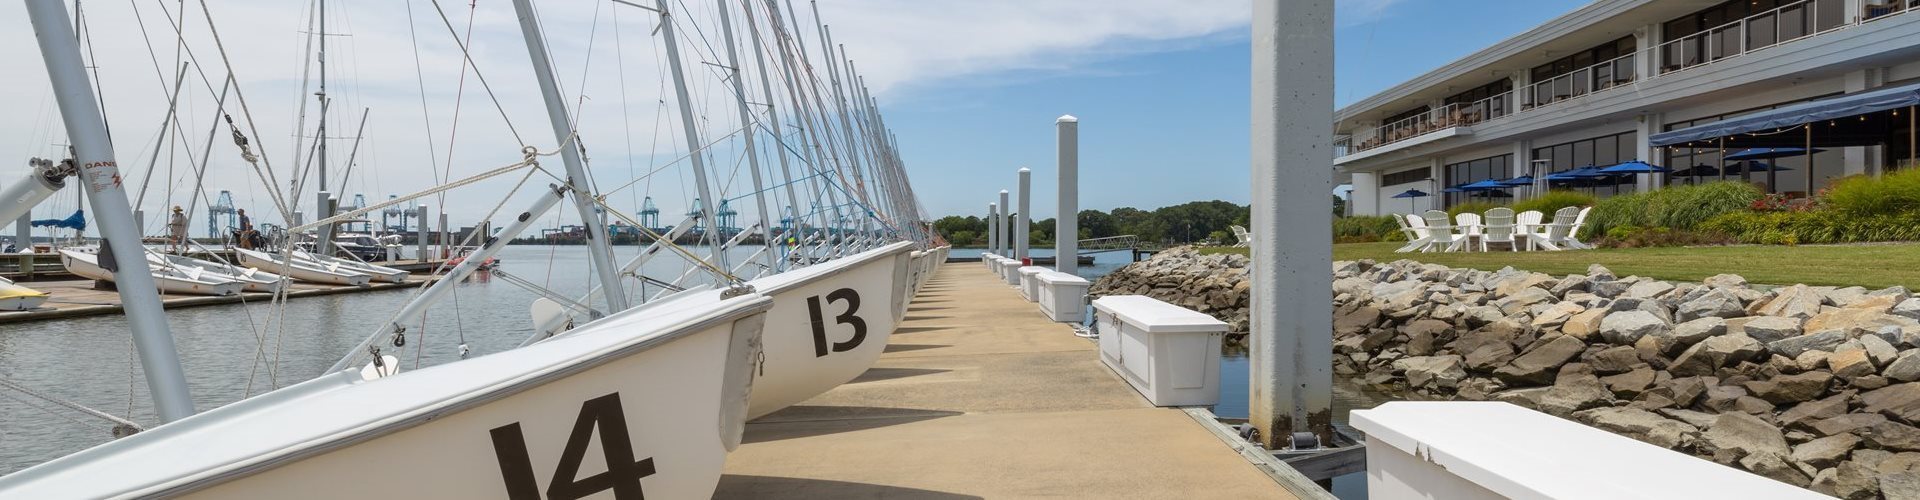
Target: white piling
{"points": [[420, 232], [1066, 226], [1020, 231], [993, 228], [1292, 319], [1006, 226]]}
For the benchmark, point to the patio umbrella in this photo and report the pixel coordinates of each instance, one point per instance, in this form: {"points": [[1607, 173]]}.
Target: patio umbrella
{"points": [[1769, 153], [1701, 170], [1754, 166], [1634, 167], [1483, 185], [1410, 194], [1588, 176], [1524, 180]]}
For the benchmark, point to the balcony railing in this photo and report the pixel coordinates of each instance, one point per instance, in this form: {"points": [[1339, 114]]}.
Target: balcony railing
{"points": [[1783, 24]]}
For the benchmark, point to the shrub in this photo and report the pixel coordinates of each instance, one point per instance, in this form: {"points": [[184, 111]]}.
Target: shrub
{"points": [[1676, 207], [1554, 200], [1816, 227], [1862, 196], [1478, 207], [1637, 237], [1361, 229]]}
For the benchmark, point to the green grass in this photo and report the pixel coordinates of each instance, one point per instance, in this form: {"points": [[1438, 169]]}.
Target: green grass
{"points": [[1871, 266]]}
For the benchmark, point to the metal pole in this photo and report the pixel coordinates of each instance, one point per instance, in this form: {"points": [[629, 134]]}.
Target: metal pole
{"points": [[773, 121], [323, 235], [1006, 226], [1021, 220], [993, 228], [689, 124], [600, 250], [420, 215], [23, 232], [444, 236], [753, 154], [1292, 320], [120, 248], [1066, 226]]}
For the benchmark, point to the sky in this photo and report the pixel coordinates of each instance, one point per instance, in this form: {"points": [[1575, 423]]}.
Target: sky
{"points": [[971, 89]]}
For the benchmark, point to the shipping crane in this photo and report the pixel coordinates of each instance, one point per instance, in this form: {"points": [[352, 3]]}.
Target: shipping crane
{"points": [[222, 205]]}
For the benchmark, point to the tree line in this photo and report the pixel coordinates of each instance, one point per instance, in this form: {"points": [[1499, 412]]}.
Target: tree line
{"points": [[1198, 221]]}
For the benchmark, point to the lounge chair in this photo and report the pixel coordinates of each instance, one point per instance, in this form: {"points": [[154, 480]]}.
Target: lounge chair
{"points": [[1525, 223], [1499, 229], [1241, 237], [1469, 226], [1415, 238], [1441, 229], [1555, 236], [1573, 236]]}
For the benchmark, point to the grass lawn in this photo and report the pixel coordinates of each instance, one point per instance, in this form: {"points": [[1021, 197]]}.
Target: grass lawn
{"points": [[1871, 266]]}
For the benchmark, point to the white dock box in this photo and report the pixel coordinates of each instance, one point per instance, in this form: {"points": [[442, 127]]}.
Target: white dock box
{"points": [[1486, 449], [992, 261], [1063, 297], [1169, 353], [1010, 271], [1030, 282]]}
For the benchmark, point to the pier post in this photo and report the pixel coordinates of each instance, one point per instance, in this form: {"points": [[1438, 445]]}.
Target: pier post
{"points": [[420, 231], [1020, 231], [1006, 226], [993, 228], [23, 233], [1066, 226], [323, 235], [1292, 315], [442, 240]]}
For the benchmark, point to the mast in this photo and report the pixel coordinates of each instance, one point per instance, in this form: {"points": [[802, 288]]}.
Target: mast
{"points": [[705, 203], [835, 234], [753, 155], [773, 116], [600, 249], [323, 245], [86, 128]]}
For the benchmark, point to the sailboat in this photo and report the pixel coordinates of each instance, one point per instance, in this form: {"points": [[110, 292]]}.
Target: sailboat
{"points": [[251, 279], [301, 269], [192, 281], [14, 297], [378, 272]]}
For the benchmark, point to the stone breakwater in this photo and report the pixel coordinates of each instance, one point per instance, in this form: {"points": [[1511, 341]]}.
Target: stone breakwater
{"points": [[1813, 386]]}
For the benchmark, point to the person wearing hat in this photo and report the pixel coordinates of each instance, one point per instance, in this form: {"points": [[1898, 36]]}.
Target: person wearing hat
{"points": [[177, 230], [248, 237]]}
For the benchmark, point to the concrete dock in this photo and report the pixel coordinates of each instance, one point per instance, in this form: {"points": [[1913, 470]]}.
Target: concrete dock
{"points": [[80, 297], [980, 396]]}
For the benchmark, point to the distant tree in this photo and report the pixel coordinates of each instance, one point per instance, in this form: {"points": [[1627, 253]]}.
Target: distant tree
{"points": [[1097, 224], [1339, 206], [963, 238], [1043, 230], [951, 226], [1193, 221]]}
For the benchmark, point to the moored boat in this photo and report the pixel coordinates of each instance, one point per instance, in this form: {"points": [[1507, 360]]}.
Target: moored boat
{"points": [[379, 273], [829, 323], [300, 269], [186, 281], [14, 297], [251, 279]]}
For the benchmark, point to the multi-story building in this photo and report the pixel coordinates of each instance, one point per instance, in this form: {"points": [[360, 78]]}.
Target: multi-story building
{"points": [[1677, 83]]}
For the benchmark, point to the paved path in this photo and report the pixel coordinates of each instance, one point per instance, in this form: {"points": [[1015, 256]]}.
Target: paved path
{"points": [[980, 396]]}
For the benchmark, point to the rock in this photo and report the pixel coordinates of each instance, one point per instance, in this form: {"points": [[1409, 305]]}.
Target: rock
{"points": [[1723, 398], [1850, 363], [1848, 481], [1648, 289], [1878, 350], [1528, 397], [1898, 401], [1893, 462], [1571, 283], [1575, 390], [1519, 300], [1598, 272], [1714, 353], [1771, 328], [1900, 485], [1537, 366], [1804, 415], [1812, 360], [1626, 327], [1629, 385], [1858, 319], [1844, 297], [1825, 452], [1612, 360], [1892, 436], [1795, 388], [1736, 435], [1435, 371], [1847, 423], [1714, 304], [1699, 420], [1356, 321], [1556, 315], [1869, 382], [1609, 289], [1687, 390], [1687, 334], [1585, 324], [1774, 466], [1489, 357], [1798, 301], [1479, 389], [1642, 425], [1909, 308], [1904, 368], [1520, 283], [1794, 346], [1725, 281]]}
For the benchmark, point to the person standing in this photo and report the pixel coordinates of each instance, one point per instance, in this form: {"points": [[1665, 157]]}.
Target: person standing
{"points": [[177, 230], [247, 236]]}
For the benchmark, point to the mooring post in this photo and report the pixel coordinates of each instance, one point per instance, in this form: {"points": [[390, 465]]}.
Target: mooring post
{"points": [[420, 232], [1066, 226], [1020, 230], [1292, 308], [1006, 226], [445, 252], [993, 228], [23, 233]]}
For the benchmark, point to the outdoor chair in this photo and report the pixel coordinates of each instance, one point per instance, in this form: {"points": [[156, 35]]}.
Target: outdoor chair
{"points": [[1525, 223], [1415, 239], [1423, 236], [1554, 236], [1241, 238], [1468, 225], [1441, 232], [1499, 229], [1579, 221]]}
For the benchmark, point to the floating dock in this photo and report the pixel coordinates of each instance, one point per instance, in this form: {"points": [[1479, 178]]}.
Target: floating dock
{"points": [[979, 395], [73, 296]]}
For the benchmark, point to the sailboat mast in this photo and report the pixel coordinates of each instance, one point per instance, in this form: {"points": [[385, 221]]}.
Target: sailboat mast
{"points": [[773, 122], [324, 244], [120, 248], [746, 118], [598, 244], [706, 203]]}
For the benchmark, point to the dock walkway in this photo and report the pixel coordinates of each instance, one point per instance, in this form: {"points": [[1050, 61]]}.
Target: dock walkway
{"points": [[980, 396]]}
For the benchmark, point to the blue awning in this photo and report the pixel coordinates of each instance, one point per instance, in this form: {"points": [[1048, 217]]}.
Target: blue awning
{"points": [[1857, 104]]}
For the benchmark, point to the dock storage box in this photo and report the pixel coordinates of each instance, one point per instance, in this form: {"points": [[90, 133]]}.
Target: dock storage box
{"points": [[1169, 353], [1010, 271], [1030, 282], [992, 262], [1063, 297]]}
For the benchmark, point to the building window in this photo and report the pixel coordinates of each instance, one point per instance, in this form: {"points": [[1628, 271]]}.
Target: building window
{"points": [[1597, 68], [1404, 177], [1718, 31], [1407, 114], [1493, 167], [1600, 151], [1479, 105]]}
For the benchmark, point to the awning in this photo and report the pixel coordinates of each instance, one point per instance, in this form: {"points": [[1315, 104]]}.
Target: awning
{"points": [[1857, 104]]}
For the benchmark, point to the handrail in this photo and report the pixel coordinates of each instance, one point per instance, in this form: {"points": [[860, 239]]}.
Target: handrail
{"points": [[1584, 81]]}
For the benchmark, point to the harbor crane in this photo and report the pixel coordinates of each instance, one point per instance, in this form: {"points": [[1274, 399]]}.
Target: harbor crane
{"points": [[222, 205]]}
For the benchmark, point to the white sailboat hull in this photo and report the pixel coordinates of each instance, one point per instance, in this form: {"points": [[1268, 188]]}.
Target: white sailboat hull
{"points": [[14, 297], [829, 323], [379, 273], [660, 392], [251, 280], [87, 265], [302, 270]]}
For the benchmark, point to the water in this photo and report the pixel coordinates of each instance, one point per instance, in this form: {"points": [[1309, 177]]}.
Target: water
{"points": [[227, 350]]}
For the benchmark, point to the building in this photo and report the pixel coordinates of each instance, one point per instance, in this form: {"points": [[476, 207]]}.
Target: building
{"points": [[1676, 83]]}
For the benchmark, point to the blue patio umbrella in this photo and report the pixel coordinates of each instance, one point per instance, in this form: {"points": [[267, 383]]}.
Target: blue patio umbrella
{"points": [[1410, 194], [1524, 180], [1586, 172], [1483, 185], [1769, 153], [1754, 166], [1634, 167]]}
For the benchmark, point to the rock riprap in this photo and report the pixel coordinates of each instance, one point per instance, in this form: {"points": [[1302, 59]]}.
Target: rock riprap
{"points": [[1813, 386]]}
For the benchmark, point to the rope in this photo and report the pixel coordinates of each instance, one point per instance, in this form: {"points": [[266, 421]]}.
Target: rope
{"points": [[70, 405]]}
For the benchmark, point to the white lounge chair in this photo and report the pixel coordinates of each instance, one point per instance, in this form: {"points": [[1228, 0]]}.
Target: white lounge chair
{"points": [[1441, 230], [1241, 238], [1525, 223], [1415, 239], [1423, 235], [1555, 236], [1468, 225], [1499, 229], [1573, 236]]}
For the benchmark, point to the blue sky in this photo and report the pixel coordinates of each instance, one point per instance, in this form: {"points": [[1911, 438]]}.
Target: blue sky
{"points": [[1164, 121]]}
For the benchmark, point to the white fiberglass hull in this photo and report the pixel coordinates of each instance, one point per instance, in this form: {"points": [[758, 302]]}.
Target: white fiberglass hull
{"points": [[252, 280], [87, 265], [19, 298], [830, 322], [659, 392], [379, 273], [302, 270]]}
